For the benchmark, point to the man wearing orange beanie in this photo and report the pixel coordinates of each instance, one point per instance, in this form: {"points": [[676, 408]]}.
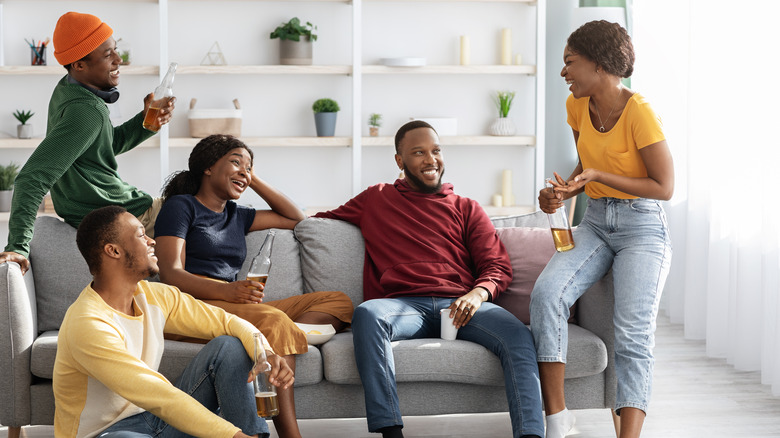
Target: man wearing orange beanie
{"points": [[77, 159]]}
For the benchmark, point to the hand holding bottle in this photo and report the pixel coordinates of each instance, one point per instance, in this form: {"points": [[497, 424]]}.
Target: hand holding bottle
{"points": [[160, 107]]}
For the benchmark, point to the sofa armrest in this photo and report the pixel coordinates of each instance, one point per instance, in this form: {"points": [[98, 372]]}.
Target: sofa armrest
{"points": [[595, 312], [18, 329]]}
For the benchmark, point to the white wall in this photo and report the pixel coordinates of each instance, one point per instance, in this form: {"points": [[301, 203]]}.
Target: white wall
{"points": [[280, 105]]}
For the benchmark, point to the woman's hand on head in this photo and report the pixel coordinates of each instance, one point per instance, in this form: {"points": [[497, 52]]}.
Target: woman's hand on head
{"points": [[242, 292]]}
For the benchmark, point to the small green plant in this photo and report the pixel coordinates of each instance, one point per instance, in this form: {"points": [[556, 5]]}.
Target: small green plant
{"points": [[504, 102], [8, 175], [23, 116], [375, 120], [293, 30], [325, 106]]}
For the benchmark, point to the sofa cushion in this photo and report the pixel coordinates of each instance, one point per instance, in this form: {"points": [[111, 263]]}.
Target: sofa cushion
{"points": [[284, 280], [60, 271], [332, 254]]}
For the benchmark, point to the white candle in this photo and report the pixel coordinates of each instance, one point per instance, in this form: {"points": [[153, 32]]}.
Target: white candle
{"points": [[498, 200], [465, 50], [506, 46], [506, 188], [519, 59]]}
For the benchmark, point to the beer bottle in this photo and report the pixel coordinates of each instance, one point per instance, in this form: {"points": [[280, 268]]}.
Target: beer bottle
{"points": [[162, 94], [560, 227], [261, 264], [265, 393]]}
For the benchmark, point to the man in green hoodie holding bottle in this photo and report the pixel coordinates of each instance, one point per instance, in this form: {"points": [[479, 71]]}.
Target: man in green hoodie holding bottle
{"points": [[77, 159]]}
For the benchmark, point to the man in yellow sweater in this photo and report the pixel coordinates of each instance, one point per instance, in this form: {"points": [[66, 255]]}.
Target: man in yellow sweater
{"points": [[110, 344]]}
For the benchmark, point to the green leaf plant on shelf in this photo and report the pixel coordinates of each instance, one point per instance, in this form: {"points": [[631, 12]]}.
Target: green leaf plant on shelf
{"points": [[295, 42], [325, 112], [503, 125], [7, 176], [374, 123], [23, 130]]}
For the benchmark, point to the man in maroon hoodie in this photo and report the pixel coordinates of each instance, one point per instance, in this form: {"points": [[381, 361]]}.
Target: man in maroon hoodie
{"points": [[429, 249]]}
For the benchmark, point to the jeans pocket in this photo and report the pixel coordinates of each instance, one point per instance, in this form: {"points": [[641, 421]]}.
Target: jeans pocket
{"points": [[642, 205]]}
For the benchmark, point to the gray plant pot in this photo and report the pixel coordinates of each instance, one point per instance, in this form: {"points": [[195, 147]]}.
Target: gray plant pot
{"points": [[295, 52], [24, 131], [5, 200], [325, 124]]}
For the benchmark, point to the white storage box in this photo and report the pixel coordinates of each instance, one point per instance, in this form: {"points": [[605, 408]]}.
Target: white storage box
{"points": [[444, 126], [205, 122]]}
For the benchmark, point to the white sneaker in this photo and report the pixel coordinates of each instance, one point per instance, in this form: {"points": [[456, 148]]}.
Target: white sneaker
{"points": [[558, 425]]}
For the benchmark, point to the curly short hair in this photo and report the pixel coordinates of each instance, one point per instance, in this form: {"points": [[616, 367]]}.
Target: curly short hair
{"points": [[207, 152], [98, 229], [607, 44]]}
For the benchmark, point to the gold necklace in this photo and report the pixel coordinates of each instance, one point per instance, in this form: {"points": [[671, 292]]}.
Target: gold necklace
{"points": [[610, 111]]}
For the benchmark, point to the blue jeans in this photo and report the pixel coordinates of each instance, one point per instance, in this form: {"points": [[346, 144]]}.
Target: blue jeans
{"points": [[216, 378], [377, 322], [632, 238]]}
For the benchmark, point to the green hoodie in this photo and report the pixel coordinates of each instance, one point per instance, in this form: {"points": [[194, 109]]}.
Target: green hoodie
{"points": [[77, 163]]}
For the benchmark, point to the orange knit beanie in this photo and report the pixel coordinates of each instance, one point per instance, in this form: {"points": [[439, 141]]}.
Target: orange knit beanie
{"points": [[77, 35]]}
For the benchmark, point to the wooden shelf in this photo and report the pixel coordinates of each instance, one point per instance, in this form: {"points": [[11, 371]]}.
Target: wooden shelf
{"points": [[264, 70], [260, 142], [451, 70], [58, 70], [463, 140]]}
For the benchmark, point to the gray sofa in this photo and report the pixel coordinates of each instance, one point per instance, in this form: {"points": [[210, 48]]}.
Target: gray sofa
{"points": [[434, 376]]}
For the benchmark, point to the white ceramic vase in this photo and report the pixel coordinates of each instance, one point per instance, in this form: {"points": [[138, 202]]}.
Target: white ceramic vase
{"points": [[5, 200], [24, 131], [502, 126], [295, 52]]}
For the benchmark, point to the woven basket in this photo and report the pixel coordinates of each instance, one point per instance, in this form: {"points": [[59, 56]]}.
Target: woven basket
{"points": [[205, 122]]}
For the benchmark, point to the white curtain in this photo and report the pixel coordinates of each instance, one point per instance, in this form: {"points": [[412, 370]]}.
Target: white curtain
{"points": [[711, 70]]}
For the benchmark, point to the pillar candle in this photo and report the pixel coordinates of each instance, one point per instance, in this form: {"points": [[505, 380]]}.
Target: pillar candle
{"points": [[506, 46], [498, 200], [465, 50], [519, 59], [506, 187]]}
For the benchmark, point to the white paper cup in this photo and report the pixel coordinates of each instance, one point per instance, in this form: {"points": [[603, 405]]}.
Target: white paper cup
{"points": [[448, 330]]}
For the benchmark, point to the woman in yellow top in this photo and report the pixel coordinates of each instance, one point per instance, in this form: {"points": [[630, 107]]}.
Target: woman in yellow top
{"points": [[200, 234], [625, 167]]}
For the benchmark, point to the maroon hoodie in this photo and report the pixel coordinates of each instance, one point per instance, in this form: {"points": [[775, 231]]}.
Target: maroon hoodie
{"points": [[417, 244]]}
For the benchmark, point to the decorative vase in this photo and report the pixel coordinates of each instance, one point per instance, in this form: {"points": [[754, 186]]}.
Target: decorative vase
{"points": [[502, 126], [24, 131], [295, 52], [5, 200], [325, 124], [373, 131]]}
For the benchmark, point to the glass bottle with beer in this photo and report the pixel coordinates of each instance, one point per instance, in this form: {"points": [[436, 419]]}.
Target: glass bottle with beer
{"points": [[265, 392], [162, 94], [559, 225], [261, 264]]}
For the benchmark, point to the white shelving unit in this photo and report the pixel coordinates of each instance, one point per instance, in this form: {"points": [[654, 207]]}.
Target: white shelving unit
{"points": [[358, 73]]}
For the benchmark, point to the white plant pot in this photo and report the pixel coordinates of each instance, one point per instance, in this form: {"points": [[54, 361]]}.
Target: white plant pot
{"points": [[502, 126], [24, 131], [5, 200]]}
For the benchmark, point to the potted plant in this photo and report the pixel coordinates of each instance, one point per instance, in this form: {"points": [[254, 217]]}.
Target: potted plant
{"points": [[374, 122], [7, 177], [23, 130], [325, 111], [295, 42], [503, 125]]}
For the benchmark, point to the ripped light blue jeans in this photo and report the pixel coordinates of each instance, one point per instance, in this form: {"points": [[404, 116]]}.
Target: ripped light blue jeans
{"points": [[630, 236]]}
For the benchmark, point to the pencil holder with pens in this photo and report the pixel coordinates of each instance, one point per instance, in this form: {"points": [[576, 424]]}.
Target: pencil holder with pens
{"points": [[37, 55]]}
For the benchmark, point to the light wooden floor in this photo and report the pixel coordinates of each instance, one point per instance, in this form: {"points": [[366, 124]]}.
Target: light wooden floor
{"points": [[693, 397]]}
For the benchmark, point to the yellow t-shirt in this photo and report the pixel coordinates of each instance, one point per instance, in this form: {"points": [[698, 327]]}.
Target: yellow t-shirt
{"points": [[106, 364], [615, 151]]}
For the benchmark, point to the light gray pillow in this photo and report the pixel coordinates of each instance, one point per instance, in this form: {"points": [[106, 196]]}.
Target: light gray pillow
{"points": [[332, 253], [284, 280], [60, 271]]}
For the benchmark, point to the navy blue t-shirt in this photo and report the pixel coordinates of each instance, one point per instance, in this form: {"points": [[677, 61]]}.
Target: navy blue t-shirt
{"points": [[216, 246]]}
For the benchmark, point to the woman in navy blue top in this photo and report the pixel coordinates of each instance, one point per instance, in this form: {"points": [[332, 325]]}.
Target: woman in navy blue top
{"points": [[200, 234]]}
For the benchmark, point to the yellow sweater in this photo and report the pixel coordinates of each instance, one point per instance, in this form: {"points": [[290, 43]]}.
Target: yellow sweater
{"points": [[106, 364]]}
